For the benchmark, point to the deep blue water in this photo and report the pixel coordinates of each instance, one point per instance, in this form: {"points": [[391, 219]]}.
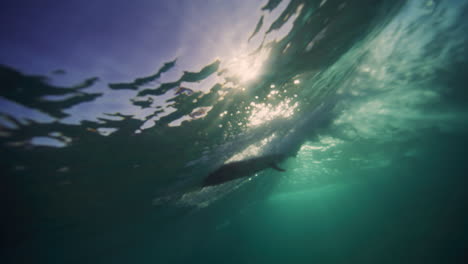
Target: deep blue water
{"points": [[365, 101]]}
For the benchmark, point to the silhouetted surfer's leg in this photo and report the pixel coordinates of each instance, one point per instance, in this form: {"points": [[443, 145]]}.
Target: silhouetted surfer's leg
{"points": [[274, 166]]}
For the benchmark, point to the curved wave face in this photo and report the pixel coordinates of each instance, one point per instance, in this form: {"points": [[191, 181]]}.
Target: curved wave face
{"points": [[279, 131]]}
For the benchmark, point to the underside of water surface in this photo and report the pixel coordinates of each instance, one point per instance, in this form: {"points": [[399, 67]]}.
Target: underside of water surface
{"points": [[331, 132]]}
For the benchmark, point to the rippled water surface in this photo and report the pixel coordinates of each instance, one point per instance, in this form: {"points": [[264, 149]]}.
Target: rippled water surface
{"points": [[112, 114]]}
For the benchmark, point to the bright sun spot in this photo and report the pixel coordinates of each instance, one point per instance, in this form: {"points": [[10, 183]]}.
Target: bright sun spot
{"points": [[246, 67]]}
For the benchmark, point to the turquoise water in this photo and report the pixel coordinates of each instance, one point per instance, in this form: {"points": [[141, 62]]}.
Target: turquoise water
{"points": [[366, 100]]}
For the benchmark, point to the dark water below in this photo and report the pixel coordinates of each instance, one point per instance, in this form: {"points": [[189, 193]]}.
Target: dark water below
{"points": [[367, 102]]}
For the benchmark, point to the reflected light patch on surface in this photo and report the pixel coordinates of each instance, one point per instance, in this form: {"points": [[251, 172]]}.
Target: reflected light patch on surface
{"points": [[196, 113], [22, 113], [151, 122], [47, 142], [106, 131], [263, 112]]}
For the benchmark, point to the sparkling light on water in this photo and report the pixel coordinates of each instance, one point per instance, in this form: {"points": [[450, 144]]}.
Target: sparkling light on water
{"points": [[265, 112]]}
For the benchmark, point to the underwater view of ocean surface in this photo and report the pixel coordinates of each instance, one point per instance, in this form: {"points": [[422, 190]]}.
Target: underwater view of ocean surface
{"points": [[248, 131]]}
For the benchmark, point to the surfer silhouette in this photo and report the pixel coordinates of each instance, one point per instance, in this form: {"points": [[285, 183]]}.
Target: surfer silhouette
{"points": [[241, 169]]}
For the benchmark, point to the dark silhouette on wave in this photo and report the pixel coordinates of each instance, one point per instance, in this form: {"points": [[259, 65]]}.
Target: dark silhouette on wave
{"points": [[242, 169]]}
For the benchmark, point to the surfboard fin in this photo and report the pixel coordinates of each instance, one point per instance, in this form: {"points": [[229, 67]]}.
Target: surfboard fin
{"points": [[274, 166]]}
